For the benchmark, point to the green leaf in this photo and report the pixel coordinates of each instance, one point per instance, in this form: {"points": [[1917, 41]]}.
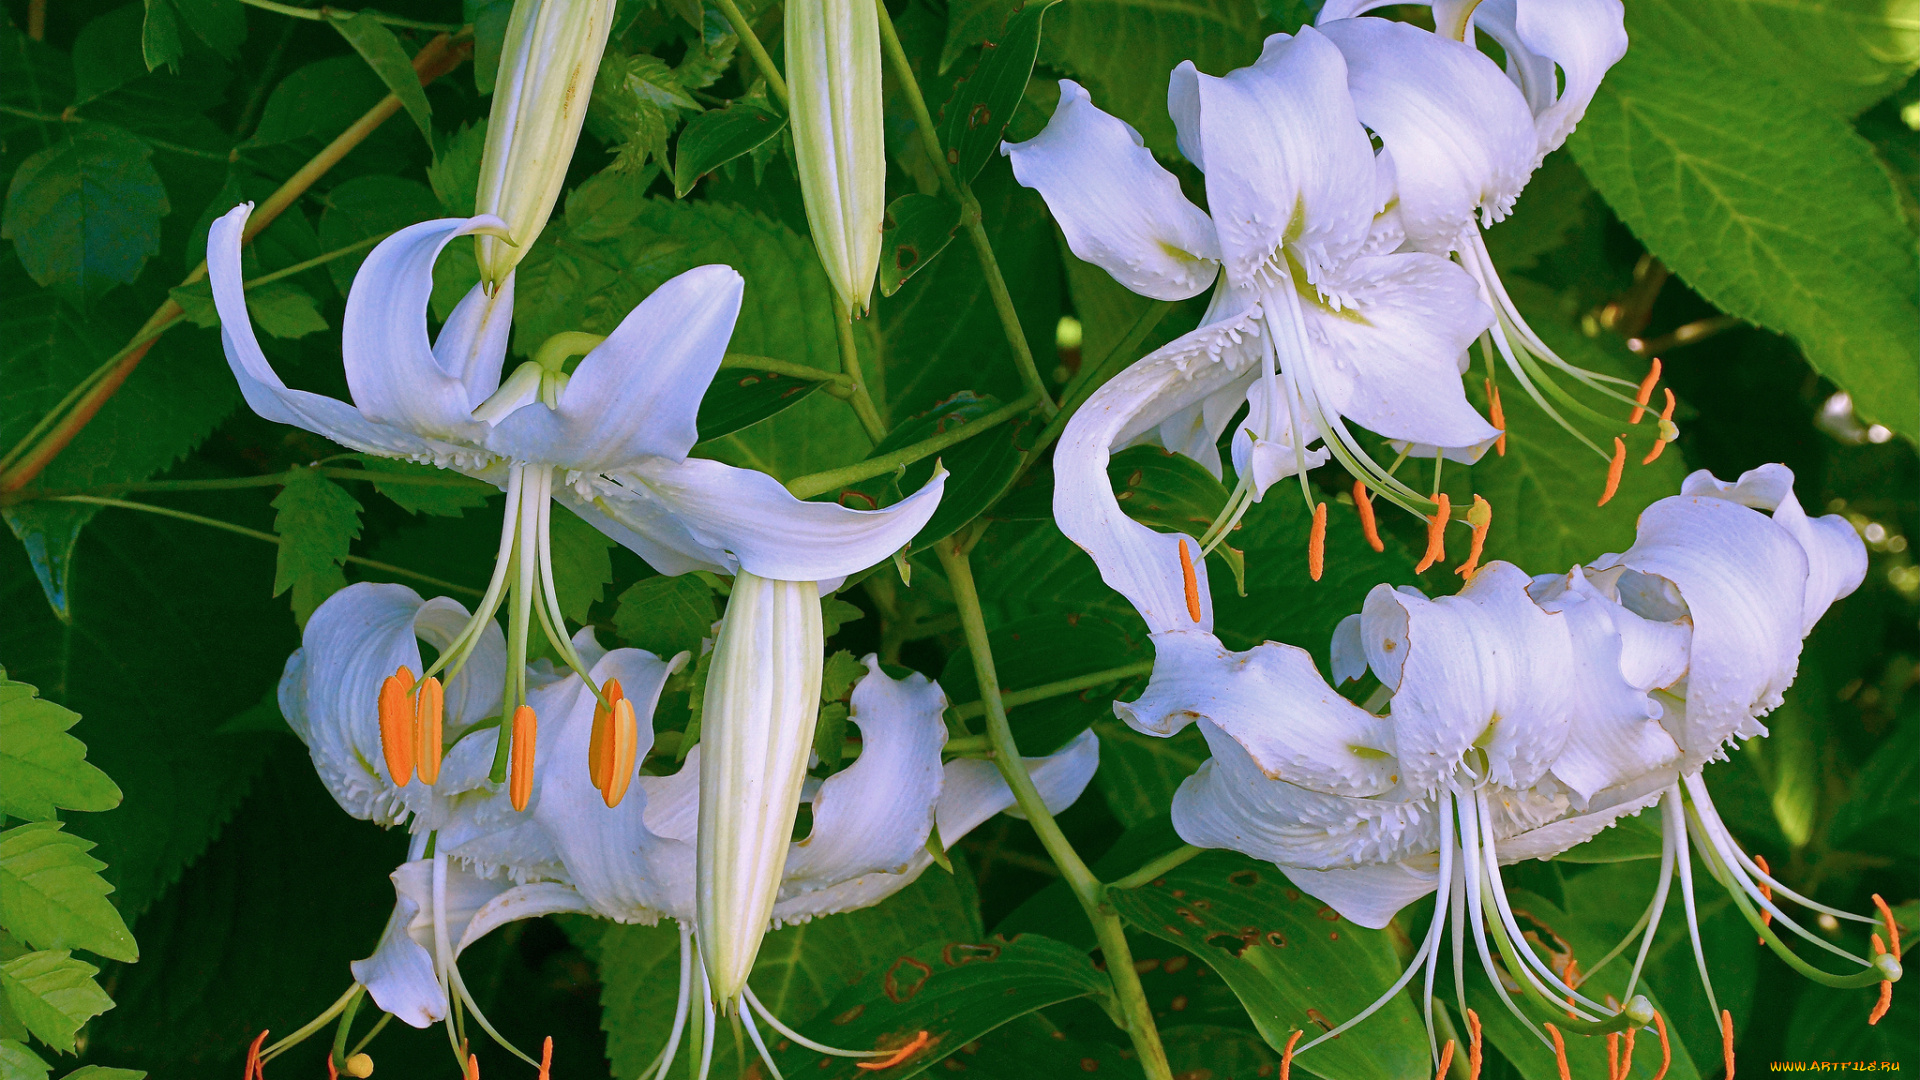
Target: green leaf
{"points": [[1139, 773], [102, 1072], [836, 613], [280, 309], [222, 24], [1769, 205], [955, 992], [160, 43], [489, 20], [1628, 839], [716, 137], [455, 172], [52, 895], [84, 214], [384, 54], [365, 207], [1287, 956], [917, 229], [423, 489], [665, 615], [983, 102], [1063, 643], [1173, 493], [108, 53], [742, 397], [42, 768], [979, 469], [582, 564], [317, 523], [19, 1063], [317, 101], [53, 994]]}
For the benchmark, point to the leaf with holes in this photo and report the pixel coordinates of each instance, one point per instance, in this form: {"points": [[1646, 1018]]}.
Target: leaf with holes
{"points": [[317, 523], [1294, 962], [718, 136], [742, 397], [42, 768], [931, 1001], [916, 229], [1139, 773], [983, 102]]}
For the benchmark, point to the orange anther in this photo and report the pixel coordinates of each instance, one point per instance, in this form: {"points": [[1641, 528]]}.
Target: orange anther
{"points": [[1766, 892], [1286, 1055], [1571, 977], [546, 1058], [429, 707], [898, 1056], [1613, 1055], [1726, 1041], [1317, 542], [623, 746], [598, 747], [1436, 534], [1886, 988], [1498, 416], [1363, 505], [1667, 431], [473, 1067], [1446, 1061], [255, 1068], [333, 1073], [1626, 1055], [520, 765], [1191, 580], [1473, 1045], [1480, 517], [1614, 468], [1893, 928], [1666, 1048], [396, 726], [1646, 391], [1559, 1052]]}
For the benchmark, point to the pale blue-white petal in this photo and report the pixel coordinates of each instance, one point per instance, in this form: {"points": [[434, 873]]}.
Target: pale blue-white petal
{"points": [[1349, 653], [401, 975], [1584, 38], [1118, 207], [1371, 895], [1265, 447], [1836, 556], [473, 342]]}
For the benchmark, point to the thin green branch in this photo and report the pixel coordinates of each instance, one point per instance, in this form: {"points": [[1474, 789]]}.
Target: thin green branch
{"points": [[1133, 1009], [821, 482], [1017, 698], [332, 14], [744, 31], [242, 530], [1152, 870], [157, 144], [833, 379], [860, 399]]}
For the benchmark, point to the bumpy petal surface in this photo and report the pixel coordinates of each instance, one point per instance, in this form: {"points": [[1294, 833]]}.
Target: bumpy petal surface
{"points": [[1264, 446], [1743, 581], [874, 815], [1607, 808], [1460, 132], [330, 689], [1286, 159], [1584, 38], [1484, 669], [1119, 208], [725, 519], [266, 394], [1194, 431], [636, 395], [1273, 702], [1836, 556]]}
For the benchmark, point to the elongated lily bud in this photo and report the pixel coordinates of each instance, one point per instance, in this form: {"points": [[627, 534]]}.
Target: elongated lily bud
{"points": [[756, 730], [833, 76], [396, 726], [547, 66], [520, 768], [429, 706], [623, 746], [598, 740]]}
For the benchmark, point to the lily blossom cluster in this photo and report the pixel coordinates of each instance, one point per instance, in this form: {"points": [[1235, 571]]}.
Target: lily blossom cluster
{"points": [[1348, 282], [1512, 721], [477, 862]]}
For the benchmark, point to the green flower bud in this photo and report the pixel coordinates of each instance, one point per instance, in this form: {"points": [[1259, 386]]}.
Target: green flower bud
{"points": [[833, 77], [547, 67]]}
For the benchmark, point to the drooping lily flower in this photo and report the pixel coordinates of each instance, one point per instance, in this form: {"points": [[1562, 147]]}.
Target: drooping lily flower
{"points": [[1467, 136], [1309, 307], [608, 437]]}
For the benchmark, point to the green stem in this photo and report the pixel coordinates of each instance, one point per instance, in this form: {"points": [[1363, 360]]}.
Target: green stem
{"points": [[1132, 1001], [312, 1025], [340, 1033], [317, 260], [1055, 689], [744, 31], [819, 483], [368, 1037], [242, 530], [1153, 869], [326, 14], [861, 400], [833, 379], [969, 213]]}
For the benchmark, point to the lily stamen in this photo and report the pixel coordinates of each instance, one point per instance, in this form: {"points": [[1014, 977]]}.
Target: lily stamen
{"points": [[520, 774], [623, 746], [1668, 432], [397, 726], [1480, 518], [1190, 581], [429, 709], [1446, 1061], [1497, 416], [1475, 1046], [1316, 543], [1363, 506], [1766, 892], [1286, 1055], [1645, 393], [1726, 1041], [546, 1058], [1881, 1006], [1666, 1048], [1614, 469], [1436, 533], [255, 1069], [598, 761], [920, 1040], [1560, 1053]]}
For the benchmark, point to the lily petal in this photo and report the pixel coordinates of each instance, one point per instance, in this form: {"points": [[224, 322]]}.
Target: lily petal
{"points": [[266, 394], [1461, 134], [1270, 460], [401, 975], [1194, 431], [1607, 809], [473, 343], [1836, 556], [1585, 38], [636, 395], [1349, 654], [1372, 895], [1119, 208]]}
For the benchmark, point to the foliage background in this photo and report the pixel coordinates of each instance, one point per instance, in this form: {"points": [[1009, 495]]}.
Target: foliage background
{"points": [[1741, 200]]}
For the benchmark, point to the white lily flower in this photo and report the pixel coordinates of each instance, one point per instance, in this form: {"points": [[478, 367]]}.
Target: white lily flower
{"points": [[833, 73], [1312, 313], [608, 438]]}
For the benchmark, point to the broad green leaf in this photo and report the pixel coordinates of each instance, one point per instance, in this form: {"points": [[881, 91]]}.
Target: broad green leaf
{"points": [[365, 207], [1554, 204], [1769, 205], [1139, 773], [1039, 649], [718, 136], [317, 523], [835, 613], [384, 54], [665, 615], [1035, 1047], [1843, 55], [954, 992], [982, 103], [160, 44], [917, 229], [103, 1072], [422, 489], [455, 172], [279, 309], [979, 469], [489, 21], [19, 1063], [1631, 838], [42, 768], [582, 564], [317, 101], [84, 214], [740, 397], [52, 895], [222, 24], [1885, 790], [1292, 960], [53, 994], [108, 53]]}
